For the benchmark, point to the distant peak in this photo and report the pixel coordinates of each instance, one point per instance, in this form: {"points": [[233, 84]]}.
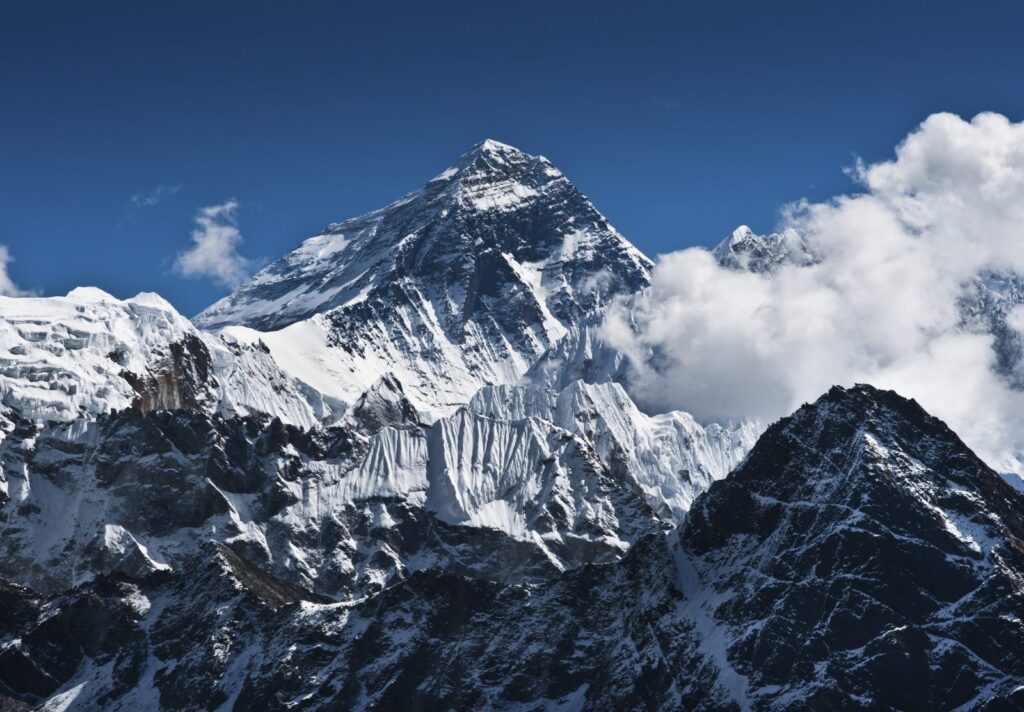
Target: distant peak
{"points": [[748, 251]]}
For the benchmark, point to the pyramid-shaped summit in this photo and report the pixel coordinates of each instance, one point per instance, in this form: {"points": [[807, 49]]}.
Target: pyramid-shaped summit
{"points": [[493, 199], [483, 268]]}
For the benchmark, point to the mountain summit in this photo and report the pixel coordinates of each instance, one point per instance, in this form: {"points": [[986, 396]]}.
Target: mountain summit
{"points": [[496, 212], [462, 283]]}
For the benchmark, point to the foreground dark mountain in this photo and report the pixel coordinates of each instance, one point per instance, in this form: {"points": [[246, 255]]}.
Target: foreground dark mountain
{"points": [[860, 558]]}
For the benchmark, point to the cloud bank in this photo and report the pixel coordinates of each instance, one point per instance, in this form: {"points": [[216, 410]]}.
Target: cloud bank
{"points": [[880, 307], [214, 253]]}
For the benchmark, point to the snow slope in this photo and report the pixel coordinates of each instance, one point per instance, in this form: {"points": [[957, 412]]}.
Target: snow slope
{"points": [[87, 354]]}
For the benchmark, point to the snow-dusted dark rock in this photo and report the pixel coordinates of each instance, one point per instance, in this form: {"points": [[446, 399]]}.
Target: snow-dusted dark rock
{"points": [[860, 558], [863, 557]]}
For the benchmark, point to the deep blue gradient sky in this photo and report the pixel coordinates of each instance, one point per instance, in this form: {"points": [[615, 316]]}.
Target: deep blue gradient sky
{"points": [[679, 120]]}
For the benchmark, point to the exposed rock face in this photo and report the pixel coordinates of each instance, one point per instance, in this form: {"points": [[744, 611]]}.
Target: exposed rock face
{"points": [[178, 381], [778, 591], [383, 404]]}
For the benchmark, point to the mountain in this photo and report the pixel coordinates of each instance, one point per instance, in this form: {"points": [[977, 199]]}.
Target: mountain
{"points": [[521, 484], [461, 284], [400, 468], [130, 438], [746, 250], [861, 557]]}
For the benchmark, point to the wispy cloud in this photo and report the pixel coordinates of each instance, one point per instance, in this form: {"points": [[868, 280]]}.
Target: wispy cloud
{"points": [[147, 199], [214, 252], [7, 286]]}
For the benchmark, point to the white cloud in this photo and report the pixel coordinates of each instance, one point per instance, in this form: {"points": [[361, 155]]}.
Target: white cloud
{"points": [[214, 253], [7, 286], [1015, 319], [879, 308]]}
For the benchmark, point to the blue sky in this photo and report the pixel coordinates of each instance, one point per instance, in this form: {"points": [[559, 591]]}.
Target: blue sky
{"points": [[679, 120]]}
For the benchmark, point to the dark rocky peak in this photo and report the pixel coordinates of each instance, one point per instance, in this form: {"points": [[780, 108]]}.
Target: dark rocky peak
{"points": [[876, 456], [871, 429], [863, 552], [497, 217]]}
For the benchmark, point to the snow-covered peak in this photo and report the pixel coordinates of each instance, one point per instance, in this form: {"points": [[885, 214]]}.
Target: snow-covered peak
{"points": [[489, 145], [494, 151], [739, 235], [88, 353], [83, 354], [745, 250], [463, 283], [493, 176], [87, 295], [152, 299], [494, 200]]}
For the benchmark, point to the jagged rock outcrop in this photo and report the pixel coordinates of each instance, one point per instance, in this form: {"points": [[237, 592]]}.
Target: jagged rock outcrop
{"points": [[777, 592]]}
